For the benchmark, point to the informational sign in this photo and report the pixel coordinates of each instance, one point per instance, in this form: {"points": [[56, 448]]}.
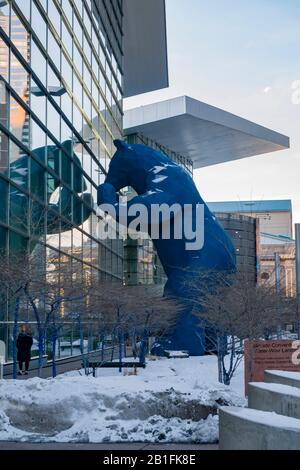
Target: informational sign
{"points": [[2, 357], [261, 355]]}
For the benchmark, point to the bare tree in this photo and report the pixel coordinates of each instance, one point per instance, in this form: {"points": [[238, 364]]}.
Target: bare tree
{"points": [[233, 308], [132, 312], [43, 291]]}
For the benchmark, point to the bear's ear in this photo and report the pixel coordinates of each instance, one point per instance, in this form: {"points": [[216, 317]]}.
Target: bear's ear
{"points": [[120, 144]]}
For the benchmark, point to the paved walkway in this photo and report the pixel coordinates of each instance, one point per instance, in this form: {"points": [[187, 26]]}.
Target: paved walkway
{"points": [[118, 446], [65, 364]]}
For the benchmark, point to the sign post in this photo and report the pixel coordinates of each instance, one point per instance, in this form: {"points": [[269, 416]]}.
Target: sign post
{"points": [[2, 358]]}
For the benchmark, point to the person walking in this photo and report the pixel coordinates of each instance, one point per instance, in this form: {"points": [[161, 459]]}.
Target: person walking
{"points": [[24, 343]]}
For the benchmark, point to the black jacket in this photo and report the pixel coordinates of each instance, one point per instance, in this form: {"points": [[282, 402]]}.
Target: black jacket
{"points": [[24, 343]]}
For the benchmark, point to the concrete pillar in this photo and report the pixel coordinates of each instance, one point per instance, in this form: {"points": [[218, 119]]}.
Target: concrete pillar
{"points": [[277, 272]]}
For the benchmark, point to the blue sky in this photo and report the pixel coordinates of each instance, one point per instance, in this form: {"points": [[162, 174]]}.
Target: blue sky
{"points": [[242, 56]]}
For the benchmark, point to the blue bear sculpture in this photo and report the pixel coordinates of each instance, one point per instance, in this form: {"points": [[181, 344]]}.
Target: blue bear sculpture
{"points": [[158, 180]]}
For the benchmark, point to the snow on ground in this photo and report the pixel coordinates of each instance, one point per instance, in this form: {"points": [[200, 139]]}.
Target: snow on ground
{"points": [[172, 400]]}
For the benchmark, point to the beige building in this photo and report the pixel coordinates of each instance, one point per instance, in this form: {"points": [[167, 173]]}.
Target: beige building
{"points": [[276, 256], [282, 248], [275, 217]]}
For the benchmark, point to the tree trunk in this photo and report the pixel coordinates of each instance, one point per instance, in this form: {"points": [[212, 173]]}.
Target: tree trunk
{"points": [[120, 350], [220, 367], [15, 336], [54, 341], [41, 350]]}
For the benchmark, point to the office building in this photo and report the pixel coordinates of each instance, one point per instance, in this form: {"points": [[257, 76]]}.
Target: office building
{"points": [[65, 67], [276, 246]]}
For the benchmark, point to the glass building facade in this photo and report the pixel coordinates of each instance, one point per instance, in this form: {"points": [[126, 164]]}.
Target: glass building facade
{"points": [[60, 110]]}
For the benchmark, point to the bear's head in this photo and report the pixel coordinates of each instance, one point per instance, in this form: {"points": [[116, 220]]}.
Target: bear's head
{"points": [[131, 166]]}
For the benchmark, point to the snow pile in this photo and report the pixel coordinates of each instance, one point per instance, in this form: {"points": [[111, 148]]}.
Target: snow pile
{"points": [[169, 401]]}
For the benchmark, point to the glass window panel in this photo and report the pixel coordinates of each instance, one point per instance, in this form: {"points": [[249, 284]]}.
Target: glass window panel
{"points": [[54, 50], [87, 49], [52, 80], [19, 78], [4, 104], [38, 62], [53, 120], [53, 154], [37, 218], [38, 140], [19, 121], [66, 168], [79, 184], [17, 243], [53, 83], [37, 101], [77, 211], [102, 83], [4, 200], [77, 90], [87, 78], [20, 36], [4, 16], [95, 39], [78, 151], [54, 16], [18, 165], [102, 58], [52, 186], [38, 24], [87, 21], [78, 4], [67, 71], [44, 4], [77, 59], [3, 239], [24, 7], [66, 203], [68, 11], [37, 180], [53, 227], [66, 105], [87, 105], [3, 153], [4, 60], [66, 132], [18, 209], [67, 39], [77, 29], [95, 92], [77, 118], [95, 65]]}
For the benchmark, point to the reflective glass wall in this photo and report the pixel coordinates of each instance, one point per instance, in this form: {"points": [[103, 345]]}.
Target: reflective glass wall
{"points": [[60, 110]]}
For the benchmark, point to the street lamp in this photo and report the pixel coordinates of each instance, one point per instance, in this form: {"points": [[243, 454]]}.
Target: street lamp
{"points": [[53, 91]]}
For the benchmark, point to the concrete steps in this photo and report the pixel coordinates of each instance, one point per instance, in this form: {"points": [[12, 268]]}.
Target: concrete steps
{"points": [[272, 419], [248, 429], [282, 399], [283, 377]]}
